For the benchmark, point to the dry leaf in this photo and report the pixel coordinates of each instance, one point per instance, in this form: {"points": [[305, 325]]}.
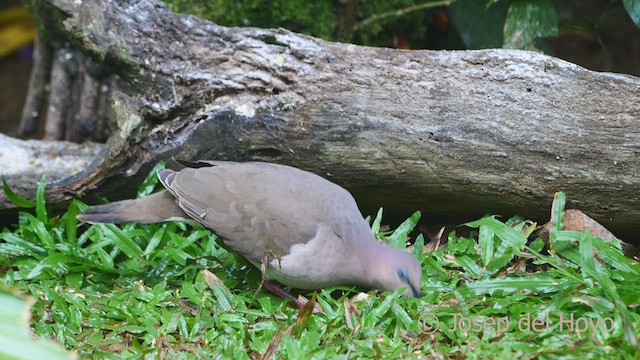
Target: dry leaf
{"points": [[301, 321], [361, 296], [351, 315], [212, 279], [317, 308], [579, 221]]}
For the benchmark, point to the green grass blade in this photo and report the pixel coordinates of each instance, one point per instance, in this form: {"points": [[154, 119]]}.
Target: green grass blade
{"points": [[151, 181], [485, 241], [469, 266], [70, 221], [418, 246], [614, 257], [557, 216], [598, 272], [40, 229], [399, 237], [122, 240], [155, 240], [379, 311], [512, 284], [15, 198], [430, 263], [401, 315], [224, 298], [41, 210], [15, 339], [500, 262], [24, 246], [559, 300], [375, 227], [510, 237]]}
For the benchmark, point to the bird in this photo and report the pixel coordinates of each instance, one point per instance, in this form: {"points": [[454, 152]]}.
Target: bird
{"points": [[310, 227]]}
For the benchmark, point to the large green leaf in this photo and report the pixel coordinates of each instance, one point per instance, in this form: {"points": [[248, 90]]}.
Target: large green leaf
{"points": [[539, 284], [527, 20], [150, 182], [41, 209], [121, 240], [375, 227], [633, 9], [479, 26], [15, 198], [399, 237], [15, 341]]}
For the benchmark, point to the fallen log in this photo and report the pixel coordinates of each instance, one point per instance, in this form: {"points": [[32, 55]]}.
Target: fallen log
{"points": [[455, 134]]}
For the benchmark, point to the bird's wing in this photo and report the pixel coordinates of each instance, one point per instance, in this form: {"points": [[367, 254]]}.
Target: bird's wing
{"points": [[254, 207], [204, 163]]}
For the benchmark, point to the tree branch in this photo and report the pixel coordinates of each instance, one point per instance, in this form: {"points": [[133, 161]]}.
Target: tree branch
{"points": [[455, 134], [400, 12]]}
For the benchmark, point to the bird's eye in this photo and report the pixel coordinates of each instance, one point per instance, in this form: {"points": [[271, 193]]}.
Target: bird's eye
{"points": [[402, 274]]}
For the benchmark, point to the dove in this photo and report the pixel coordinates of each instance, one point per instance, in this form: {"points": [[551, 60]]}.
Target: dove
{"points": [[304, 230]]}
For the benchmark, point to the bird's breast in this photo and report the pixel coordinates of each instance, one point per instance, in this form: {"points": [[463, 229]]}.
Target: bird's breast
{"points": [[315, 264]]}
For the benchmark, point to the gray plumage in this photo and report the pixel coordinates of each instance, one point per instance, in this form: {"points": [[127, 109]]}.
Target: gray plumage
{"points": [[313, 225]]}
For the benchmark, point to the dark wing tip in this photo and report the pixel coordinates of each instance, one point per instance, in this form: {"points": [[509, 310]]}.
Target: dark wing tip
{"points": [[201, 163], [103, 214], [191, 164], [99, 219]]}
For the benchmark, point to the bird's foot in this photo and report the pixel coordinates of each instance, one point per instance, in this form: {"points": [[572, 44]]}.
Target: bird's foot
{"points": [[274, 288], [270, 285]]}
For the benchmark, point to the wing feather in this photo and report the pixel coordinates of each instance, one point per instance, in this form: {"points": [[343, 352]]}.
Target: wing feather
{"points": [[254, 207]]}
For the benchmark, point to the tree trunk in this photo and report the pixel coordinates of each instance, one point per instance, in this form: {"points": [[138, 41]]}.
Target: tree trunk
{"points": [[455, 134]]}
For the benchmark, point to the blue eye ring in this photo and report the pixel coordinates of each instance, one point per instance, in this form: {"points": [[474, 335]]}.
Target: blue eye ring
{"points": [[402, 274]]}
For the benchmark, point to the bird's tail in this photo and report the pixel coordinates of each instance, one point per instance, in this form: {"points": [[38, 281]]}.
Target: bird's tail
{"points": [[154, 208]]}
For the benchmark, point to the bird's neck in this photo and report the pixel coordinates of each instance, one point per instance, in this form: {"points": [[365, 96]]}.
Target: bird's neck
{"points": [[371, 260]]}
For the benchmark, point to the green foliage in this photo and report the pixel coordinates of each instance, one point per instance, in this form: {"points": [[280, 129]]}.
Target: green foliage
{"points": [[527, 20], [399, 237], [479, 26], [633, 9], [431, 24], [170, 291], [151, 181], [412, 25], [18, 200], [14, 331], [316, 17]]}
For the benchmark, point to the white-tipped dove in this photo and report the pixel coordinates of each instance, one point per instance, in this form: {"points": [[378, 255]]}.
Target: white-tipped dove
{"points": [[313, 225]]}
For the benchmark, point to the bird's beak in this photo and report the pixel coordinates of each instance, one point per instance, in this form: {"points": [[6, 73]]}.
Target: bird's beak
{"points": [[414, 292]]}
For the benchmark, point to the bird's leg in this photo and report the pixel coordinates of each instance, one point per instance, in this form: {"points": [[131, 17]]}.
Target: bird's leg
{"points": [[265, 261], [269, 285], [263, 269], [274, 288]]}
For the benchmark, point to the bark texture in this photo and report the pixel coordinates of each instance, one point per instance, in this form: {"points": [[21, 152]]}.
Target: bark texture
{"points": [[454, 134]]}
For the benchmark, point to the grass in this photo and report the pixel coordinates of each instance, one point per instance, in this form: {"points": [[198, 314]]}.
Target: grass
{"points": [[170, 291]]}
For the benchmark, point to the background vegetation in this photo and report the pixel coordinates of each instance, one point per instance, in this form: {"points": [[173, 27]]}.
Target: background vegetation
{"points": [[559, 28]]}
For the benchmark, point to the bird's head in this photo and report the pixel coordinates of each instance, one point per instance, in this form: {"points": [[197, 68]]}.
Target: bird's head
{"points": [[392, 269]]}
